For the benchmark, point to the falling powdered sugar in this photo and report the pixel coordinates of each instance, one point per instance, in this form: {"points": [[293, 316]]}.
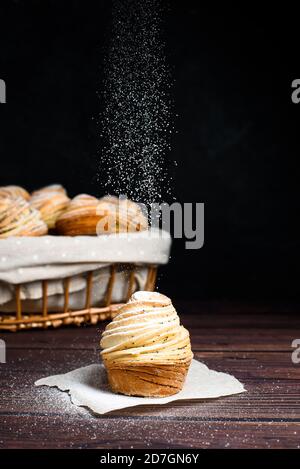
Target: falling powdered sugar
{"points": [[136, 122]]}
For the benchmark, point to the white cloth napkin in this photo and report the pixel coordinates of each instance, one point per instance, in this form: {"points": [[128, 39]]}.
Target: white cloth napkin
{"points": [[88, 387], [27, 261], [24, 259]]}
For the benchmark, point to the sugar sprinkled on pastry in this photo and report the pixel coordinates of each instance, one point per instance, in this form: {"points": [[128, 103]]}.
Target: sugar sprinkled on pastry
{"points": [[146, 351]]}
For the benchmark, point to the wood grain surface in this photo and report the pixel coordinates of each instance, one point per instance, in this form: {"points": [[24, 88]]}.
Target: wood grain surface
{"points": [[252, 343]]}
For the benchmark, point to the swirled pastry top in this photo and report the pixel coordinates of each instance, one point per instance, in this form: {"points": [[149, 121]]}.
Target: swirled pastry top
{"points": [[18, 218], [14, 191], [51, 201], [146, 330], [51, 188]]}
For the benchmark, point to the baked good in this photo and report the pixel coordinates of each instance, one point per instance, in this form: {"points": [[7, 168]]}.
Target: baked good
{"points": [[18, 218], [87, 215], [80, 217], [124, 215], [14, 191], [51, 201], [83, 215], [146, 352], [50, 188]]}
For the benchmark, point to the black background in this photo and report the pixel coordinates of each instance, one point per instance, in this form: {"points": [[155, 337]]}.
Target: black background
{"points": [[237, 145]]}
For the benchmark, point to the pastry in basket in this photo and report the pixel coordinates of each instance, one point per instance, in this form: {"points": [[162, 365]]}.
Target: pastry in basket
{"points": [[124, 215], [146, 352], [14, 191], [18, 218], [80, 217], [87, 215], [51, 201], [50, 188]]}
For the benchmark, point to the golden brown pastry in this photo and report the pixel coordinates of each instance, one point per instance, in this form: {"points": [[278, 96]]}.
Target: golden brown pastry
{"points": [[14, 191], [18, 218], [124, 215], [86, 215], [146, 352], [51, 201], [80, 217], [50, 188]]}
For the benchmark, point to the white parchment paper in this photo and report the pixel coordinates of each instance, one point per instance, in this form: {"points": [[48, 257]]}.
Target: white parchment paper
{"points": [[88, 387]]}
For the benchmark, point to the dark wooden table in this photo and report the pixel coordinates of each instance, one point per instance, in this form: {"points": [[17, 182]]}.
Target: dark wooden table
{"points": [[252, 343]]}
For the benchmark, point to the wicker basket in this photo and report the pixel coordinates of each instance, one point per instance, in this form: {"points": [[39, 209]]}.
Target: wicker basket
{"points": [[88, 315]]}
